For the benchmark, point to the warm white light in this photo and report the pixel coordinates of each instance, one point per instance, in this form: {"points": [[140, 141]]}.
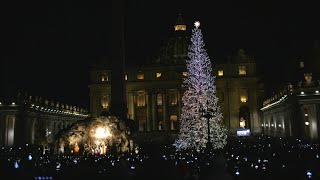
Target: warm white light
{"points": [[279, 125], [102, 133], [306, 123], [302, 92], [184, 74], [243, 98], [272, 125], [262, 125], [197, 24], [13, 103], [305, 114], [0, 103], [267, 125], [317, 92]]}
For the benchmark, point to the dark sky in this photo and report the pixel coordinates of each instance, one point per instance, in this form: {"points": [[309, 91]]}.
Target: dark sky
{"points": [[47, 47]]}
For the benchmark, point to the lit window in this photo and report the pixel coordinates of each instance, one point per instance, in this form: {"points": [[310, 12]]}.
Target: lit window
{"points": [[158, 74], [173, 118], [243, 99], [220, 72], [173, 122], [105, 101], [141, 100], [243, 96], [173, 99], [184, 73], [180, 27], [140, 76], [159, 99], [126, 77], [242, 70], [104, 77]]}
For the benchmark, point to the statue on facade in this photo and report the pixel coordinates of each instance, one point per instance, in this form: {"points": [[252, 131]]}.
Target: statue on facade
{"points": [[242, 123], [46, 102]]}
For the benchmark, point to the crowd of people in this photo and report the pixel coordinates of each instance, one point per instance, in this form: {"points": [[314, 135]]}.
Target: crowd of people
{"points": [[246, 158]]}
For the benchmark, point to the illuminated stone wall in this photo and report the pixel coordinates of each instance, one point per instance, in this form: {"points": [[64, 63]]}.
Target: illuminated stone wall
{"points": [[33, 119]]}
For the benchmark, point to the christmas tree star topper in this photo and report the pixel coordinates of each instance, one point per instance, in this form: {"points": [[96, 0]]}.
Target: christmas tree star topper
{"points": [[197, 24]]}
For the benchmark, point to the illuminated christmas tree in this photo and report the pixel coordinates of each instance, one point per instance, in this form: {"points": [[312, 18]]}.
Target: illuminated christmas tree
{"points": [[200, 103]]}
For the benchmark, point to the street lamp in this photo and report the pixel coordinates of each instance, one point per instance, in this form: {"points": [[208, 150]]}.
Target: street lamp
{"points": [[206, 114]]}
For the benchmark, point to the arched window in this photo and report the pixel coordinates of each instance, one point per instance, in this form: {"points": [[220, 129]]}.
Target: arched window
{"points": [[159, 99], [173, 98], [105, 101], [104, 77], [242, 70], [243, 96], [141, 99]]}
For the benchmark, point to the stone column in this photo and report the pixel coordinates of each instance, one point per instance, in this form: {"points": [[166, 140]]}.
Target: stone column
{"points": [[179, 107], [164, 109], [255, 125], [149, 105], [154, 111], [134, 106], [131, 105], [94, 106]]}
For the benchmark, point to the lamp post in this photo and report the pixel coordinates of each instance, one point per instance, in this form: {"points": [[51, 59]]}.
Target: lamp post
{"points": [[206, 114]]}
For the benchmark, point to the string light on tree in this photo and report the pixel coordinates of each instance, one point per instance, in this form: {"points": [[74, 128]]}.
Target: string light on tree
{"points": [[198, 99]]}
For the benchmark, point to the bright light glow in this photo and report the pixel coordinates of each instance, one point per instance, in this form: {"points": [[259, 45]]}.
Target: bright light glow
{"points": [[317, 92], [0, 103], [242, 70], [184, 74], [158, 74], [243, 98], [220, 72], [102, 133], [126, 77], [197, 24], [140, 76], [302, 92], [13, 103], [237, 173], [104, 78], [272, 125], [16, 165], [262, 125], [306, 123], [180, 27], [279, 125], [306, 114]]}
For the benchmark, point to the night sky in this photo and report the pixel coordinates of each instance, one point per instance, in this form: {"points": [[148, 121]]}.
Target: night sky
{"points": [[47, 47]]}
